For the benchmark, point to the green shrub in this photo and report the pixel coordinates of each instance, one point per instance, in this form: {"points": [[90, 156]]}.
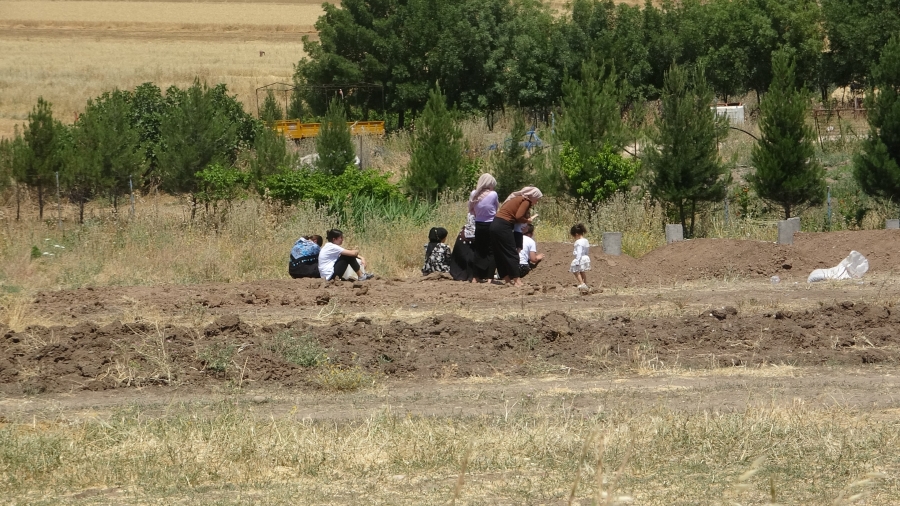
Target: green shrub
{"points": [[303, 350], [217, 357], [600, 176], [292, 186], [220, 185]]}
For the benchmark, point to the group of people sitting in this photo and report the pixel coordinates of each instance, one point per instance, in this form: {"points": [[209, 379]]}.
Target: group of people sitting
{"points": [[496, 244], [499, 238], [311, 259]]}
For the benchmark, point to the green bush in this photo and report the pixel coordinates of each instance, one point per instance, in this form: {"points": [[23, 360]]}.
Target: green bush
{"points": [[221, 184], [598, 177], [291, 186], [303, 350]]}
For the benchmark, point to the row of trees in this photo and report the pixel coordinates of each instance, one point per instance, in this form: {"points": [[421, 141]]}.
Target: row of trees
{"points": [[681, 165], [140, 137], [489, 54]]}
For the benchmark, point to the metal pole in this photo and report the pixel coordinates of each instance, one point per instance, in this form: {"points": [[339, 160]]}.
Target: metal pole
{"points": [[828, 206], [361, 163], [58, 205], [131, 191]]}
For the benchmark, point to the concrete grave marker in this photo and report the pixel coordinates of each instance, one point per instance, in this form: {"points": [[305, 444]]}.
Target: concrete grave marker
{"points": [[612, 243], [674, 233]]}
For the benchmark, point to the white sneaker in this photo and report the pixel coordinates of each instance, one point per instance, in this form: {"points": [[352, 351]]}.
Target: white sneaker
{"points": [[583, 287]]}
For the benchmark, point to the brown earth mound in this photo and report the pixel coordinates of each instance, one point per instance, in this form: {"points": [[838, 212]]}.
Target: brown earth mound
{"points": [[725, 259], [90, 357]]}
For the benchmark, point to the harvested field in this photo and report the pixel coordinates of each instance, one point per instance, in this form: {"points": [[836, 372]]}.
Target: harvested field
{"points": [[296, 13], [70, 51], [689, 378]]}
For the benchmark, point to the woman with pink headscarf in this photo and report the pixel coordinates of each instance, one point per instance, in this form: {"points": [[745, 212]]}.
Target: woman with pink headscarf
{"points": [[515, 209], [483, 204]]}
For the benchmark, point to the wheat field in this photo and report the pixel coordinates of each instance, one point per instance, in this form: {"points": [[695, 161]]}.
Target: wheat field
{"points": [[69, 51], [302, 13]]}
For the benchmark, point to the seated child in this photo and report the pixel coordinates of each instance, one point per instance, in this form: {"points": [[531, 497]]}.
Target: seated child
{"points": [[528, 255], [304, 259], [437, 254], [337, 262], [582, 262]]}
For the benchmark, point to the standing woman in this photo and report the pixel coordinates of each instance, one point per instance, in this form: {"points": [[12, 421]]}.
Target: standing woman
{"points": [[483, 204], [516, 209]]}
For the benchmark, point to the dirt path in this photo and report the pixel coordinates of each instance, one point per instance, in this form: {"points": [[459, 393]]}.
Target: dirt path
{"points": [[872, 388]]}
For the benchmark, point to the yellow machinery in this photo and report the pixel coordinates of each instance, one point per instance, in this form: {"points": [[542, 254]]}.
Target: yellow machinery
{"points": [[294, 129]]}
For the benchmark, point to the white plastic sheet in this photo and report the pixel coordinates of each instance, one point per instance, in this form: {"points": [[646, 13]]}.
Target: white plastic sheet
{"points": [[852, 267]]}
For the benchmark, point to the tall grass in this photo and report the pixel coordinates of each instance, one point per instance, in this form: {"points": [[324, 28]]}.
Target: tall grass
{"points": [[161, 244]]}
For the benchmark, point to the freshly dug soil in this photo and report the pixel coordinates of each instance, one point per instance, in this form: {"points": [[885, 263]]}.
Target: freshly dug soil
{"points": [[288, 299], [87, 356], [724, 259]]}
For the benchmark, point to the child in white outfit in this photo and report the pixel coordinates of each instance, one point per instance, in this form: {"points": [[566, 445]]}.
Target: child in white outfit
{"points": [[582, 262]]}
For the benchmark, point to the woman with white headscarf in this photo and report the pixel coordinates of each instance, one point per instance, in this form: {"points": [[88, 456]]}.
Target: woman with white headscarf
{"points": [[483, 204], [515, 209]]}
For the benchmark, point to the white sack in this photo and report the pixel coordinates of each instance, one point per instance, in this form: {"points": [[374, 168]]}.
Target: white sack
{"points": [[854, 266]]}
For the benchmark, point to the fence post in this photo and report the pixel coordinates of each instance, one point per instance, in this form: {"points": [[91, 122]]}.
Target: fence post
{"points": [[131, 191], [727, 218], [828, 207], [58, 205]]}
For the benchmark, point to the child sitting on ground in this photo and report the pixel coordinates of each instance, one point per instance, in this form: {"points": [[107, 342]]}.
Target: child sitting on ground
{"points": [[304, 259], [582, 262], [437, 254], [528, 255], [340, 263]]}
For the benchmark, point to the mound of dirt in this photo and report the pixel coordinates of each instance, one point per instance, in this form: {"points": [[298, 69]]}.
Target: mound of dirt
{"points": [[91, 357], [725, 259]]}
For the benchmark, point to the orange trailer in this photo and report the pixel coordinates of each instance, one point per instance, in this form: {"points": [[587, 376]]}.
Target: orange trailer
{"points": [[294, 129]]}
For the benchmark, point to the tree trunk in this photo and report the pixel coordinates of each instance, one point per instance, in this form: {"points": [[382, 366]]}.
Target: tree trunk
{"points": [[681, 215], [787, 211], [40, 202], [81, 202], [18, 201], [401, 119]]}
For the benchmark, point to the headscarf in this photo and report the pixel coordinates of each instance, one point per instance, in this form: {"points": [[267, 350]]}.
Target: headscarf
{"points": [[435, 236], [532, 193], [486, 183]]}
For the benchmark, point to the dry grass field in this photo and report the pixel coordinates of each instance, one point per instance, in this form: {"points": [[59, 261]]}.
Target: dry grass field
{"points": [[629, 428], [299, 13], [70, 51]]}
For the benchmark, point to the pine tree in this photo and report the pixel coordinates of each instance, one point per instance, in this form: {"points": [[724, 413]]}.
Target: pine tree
{"points": [[7, 157], [590, 111], [106, 150], [271, 110], [787, 173], [194, 133], [877, 167], [684, 167], [511, 167], [270, 154], [333, 144], [42, 157], [437, 150]]}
